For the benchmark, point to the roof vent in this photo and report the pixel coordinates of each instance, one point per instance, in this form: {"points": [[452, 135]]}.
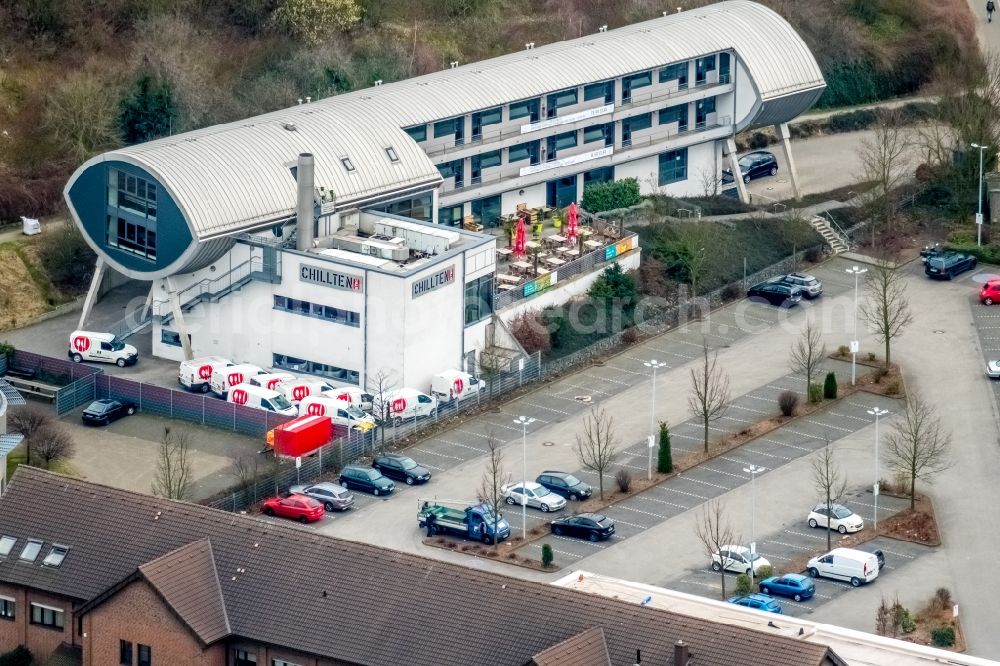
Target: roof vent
{"points": [[603, 28], [454, 64], [308, 99], [529, 46], [665, 13], [378, 82], [289, 126]]}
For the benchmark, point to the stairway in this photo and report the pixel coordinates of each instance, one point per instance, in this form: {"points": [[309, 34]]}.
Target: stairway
{"points": [[217, 289], [837, 241]]}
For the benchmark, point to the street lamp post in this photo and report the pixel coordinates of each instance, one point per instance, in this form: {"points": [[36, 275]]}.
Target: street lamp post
{"points": [[855, 343], [524, 422], [979, 215], [753, 471], [655, 365], [876, 412]]}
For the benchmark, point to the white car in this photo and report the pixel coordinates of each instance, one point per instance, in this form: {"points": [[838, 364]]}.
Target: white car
{"points": [[538, 496], [841, 518], [993, 369], [738, 559]]}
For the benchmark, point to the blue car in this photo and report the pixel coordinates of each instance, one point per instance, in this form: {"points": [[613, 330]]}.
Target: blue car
{"points": [[759, 601], [794, 586]]}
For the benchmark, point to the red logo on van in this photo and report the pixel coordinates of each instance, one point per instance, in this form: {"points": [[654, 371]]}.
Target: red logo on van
{"points": [[271, 383], [240, 397], [346, 397], [316, 409], [300, 392], [81, 343], [398, 405], [458, 386], [205, 372], [235, 378]]}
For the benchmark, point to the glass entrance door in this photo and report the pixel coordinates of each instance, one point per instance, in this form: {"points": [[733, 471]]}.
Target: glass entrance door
{"points": [[560, 193]]}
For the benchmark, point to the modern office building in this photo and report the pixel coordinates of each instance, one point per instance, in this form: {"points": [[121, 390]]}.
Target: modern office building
{"points": [[327, 237]]}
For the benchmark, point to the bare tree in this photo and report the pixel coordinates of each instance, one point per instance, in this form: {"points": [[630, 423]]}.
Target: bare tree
{"points": [[380, 385], [29, 420], [886, 308], [828, 481], [883, 163], [693, 243], [714, 532], [173, 476], [248, 466], [709, 399], [808, 353], [918, 445], [492, 361], [710, 182], [597, 448], [52, 443], [494, 477]]}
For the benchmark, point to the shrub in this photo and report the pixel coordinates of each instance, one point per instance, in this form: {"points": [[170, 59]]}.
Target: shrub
{"points": [[743, 584], [66, 257], [830, 386], [312, 21], [943, 636], [905, 619], [630, 335], [623, 478], [759, 140], [611, 195], [765, 572], [852, 121], [547, 555], [815, 393], [664, 458], [532, 332], [942, 598], [19, 656], [813, 255], [788, 402], [732, 291], [893, 388], [871, 357], [843, 350]]}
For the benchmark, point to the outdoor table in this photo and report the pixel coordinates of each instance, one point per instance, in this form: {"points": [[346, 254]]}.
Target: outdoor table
{"points": [[523, 265], [542, 271], [504, 251], [593, 244], [506, 287], [555, 239], [585, 231], [503, 277], [531, 245], [554, 261], [572, 252], [563, 250]]}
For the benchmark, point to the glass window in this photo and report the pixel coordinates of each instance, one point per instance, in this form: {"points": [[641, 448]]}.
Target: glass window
{"points": [[145, 655], [524, 151], [676, 72], [125, 652], [637, 123], [31, 550], [7, 544], [560, 99], [55, 556], [480, 119], [454, 170], [565, 140], [724, 68], [450, 216], [7, 606], [595, 176], [170, 338], [525, 109], [702, 66], [673, 166], [675, 114], [446, 127], [391, 154], [486, 160], [604, 90], [348, 164], [478, 299], [702, 109], [46, 616], [640, 80], [418, 133], [593, 133], [282, 662]]}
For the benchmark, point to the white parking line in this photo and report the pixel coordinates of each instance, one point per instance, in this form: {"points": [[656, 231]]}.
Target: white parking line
{"points": [[561, 552], [672, 353], [647, 513], [586, 390], [435, 453], [791, 446], [748, 409], [606, 379], [618, 521], [808, 536], [535, 405], [650, 498], [464, 446], [467, 432], [719, 471], [788, 545], [849, 416], [828, 425]]}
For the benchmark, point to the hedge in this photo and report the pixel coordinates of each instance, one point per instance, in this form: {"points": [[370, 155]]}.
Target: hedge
{"points": [[611, 195], [988, 254]]}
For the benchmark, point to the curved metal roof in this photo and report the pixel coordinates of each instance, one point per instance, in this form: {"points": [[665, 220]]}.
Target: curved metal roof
{"points": [[232, 177]]}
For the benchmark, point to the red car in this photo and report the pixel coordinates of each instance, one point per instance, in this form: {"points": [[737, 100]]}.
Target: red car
{"points": [[298, 507], [990, 293]]}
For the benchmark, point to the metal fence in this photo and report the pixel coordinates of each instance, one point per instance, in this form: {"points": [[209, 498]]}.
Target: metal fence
{"points": [[76, 393], [68, 397]]}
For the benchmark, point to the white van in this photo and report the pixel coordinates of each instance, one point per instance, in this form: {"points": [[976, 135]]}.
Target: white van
{"points": [[856, 566], [223, 378], [455, 385], [270, 380], [103, 347], [340, 412], [196, 374], [406, 403], [353, 395], [256, 397], [299, 389]]}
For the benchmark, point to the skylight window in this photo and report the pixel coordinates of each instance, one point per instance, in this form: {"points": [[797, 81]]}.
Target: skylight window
{"points": [[391, 152], [348, 164], [55, 556], [7, 544], [31, 550]]}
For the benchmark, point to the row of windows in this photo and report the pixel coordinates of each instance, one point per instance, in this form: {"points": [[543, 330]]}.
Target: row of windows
{"points": [[478, 299], [135, 236], [418, 207], [142, 655], [247, 658], [324, 312], [531, 108], [294, 364], [673, 166], [45, 616], [132, 193]]}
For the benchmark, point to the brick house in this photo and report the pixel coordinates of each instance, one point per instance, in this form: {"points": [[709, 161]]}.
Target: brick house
{"points": [[96, 576]]}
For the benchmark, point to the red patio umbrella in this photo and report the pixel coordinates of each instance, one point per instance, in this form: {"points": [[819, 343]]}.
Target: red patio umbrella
{"points": [[519, 239], [573, 223]]}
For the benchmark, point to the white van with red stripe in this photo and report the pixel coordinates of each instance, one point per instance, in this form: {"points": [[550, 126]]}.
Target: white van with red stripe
{"points": [[455, 385], [271, 380], [405, 404], [299, 389], [353, 395], [223, 378], [342, 413], [256, 397], [196, 374]]}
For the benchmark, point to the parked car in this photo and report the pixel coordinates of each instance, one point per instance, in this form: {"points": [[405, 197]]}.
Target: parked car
{"points": [[401, 468], [537, 495], [993, 369], [793, 586], [296, 507], [848, 564], [810, 286], [880, 556], [758, 601], [753, 165], [947, 265], [104, 411], [593, 526], [565, 485], [930, 251], [775, 293], [841, 518], [738, 559], [990, 293], [366, 479], [332, 496]]}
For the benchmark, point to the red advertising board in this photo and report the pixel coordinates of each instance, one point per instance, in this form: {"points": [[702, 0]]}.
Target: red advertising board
{"points": [[302, 436]]}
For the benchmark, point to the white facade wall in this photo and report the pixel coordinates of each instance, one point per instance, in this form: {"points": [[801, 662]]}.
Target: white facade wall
{"points": [[534, 197], [745, 92]]}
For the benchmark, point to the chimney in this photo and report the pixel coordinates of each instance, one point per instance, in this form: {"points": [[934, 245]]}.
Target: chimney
{"points": [[681, 654], [304, 207]]}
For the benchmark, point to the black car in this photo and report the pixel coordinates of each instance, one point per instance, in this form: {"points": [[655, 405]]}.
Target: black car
{"points": [[753, 165], [775, 293], [880, 556], [931, 251], [593, 526], [947, 265], [103, 412], [401, 468], [565, 484], [366, 479]]}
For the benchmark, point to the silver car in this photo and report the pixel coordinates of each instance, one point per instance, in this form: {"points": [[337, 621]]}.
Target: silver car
{"points": [[810, 286], [333, 497], [537, 495]]}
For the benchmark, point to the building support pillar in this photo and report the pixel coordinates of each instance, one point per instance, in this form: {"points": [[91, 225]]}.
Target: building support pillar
{"points": [[781, 131], [180, 324], [100, 268], [734, 166]]}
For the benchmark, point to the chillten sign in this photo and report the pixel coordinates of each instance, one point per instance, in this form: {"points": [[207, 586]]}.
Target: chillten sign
{"points": [[434, 281], [329, 278]]}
